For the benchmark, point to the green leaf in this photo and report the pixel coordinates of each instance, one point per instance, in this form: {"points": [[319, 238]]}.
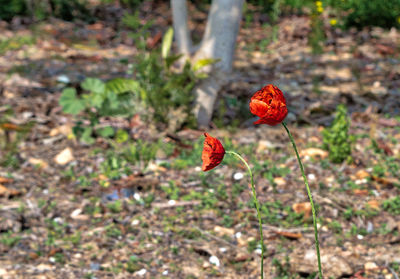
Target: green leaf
{"points": [[167, 42], [96, 100], [122, 85], [93, 85], [87, 135], [71, 103], [121, 136], [171, 59], [204, 62], [105, 132]]}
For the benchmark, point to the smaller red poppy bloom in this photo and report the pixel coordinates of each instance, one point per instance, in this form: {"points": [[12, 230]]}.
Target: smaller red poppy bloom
{"points": [[213, 153], [269, 104]]}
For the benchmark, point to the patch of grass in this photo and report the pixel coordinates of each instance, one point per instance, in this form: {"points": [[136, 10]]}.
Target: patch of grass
{"points": [[113, 231], [9, 239], [115, 207], [172, 190], [15, 43], [392, 205], [336, 227], [133, 264]]}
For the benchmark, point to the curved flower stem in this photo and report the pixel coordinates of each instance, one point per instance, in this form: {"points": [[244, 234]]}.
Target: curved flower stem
{"points": [[310, 197], [257, 208]]}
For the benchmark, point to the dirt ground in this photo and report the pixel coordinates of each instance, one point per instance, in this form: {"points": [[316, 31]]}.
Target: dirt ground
{"points": [[63, 214]]}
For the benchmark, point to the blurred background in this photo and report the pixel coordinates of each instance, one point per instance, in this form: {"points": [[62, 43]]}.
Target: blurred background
{"points": [[101, 133]]}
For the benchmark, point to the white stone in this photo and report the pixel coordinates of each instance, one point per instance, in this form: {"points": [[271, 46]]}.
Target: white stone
{"points": [[238, 176], [171, 202], [311, 176], [76, 212], [223, 249], [63, 79], [141, 272], [214, 260]]}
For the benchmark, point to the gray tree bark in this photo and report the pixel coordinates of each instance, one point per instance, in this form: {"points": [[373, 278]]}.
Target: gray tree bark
{"points": [[181, 30], [219, 41]]}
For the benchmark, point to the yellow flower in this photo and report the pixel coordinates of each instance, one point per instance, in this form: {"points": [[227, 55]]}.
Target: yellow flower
{"points": [[320, 9], [333, 21], [398, 19], [318, 3]]}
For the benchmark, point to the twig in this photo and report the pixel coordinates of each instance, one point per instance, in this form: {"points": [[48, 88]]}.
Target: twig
{"points": [[175, 204], [393, 272]]}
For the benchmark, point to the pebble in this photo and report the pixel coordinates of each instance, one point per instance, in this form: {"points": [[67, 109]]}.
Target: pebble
{"points": [[76, 212], [214, 260], [171, 202], [141, 272], [223, 249], [238, 176], [64, 157], [63, 79], [370, 265], [94, 266], [311, 177]]}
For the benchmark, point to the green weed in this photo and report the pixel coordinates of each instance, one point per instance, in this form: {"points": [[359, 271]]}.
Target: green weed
{"points": [[336, 139]]}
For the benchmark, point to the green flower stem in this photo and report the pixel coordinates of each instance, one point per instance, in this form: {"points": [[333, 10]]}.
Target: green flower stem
{"points": [[257, 208], [311, 200]]}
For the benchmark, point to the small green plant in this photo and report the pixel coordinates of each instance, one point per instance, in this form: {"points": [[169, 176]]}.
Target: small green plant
{"points": [[115, 207], [172, 190], [102, 99], [15, 43], [133, 264], [392, 205], [317, 35], [361, 13], [41, 9], [10, 137], [335, 226], [9, 239], [141, 152], [336, 139]]}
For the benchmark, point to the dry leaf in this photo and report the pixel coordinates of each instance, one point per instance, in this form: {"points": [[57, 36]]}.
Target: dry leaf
{"points": [[361, 192], [314, 153], [279, 181], [64, 157], [289, 235], [38, 162], [361, 174], [303, 207], [5, 180], [6, 192], [221, 231], [374, 204]]}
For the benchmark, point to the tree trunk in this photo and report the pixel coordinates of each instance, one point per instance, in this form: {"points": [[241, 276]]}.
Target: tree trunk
{"points": [[180, 22], [218, 42]]}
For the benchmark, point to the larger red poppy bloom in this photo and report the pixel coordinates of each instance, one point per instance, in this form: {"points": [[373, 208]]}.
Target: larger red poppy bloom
{"points": [[213, 153], [269, 104]]}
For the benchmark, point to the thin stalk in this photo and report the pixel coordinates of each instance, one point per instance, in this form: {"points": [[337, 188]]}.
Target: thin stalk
{"points": [[310, 197], [257, 208]]}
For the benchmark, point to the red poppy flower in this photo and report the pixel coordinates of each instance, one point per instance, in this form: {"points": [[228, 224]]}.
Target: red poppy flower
{"points": [[213, 153], [269, 104]]}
